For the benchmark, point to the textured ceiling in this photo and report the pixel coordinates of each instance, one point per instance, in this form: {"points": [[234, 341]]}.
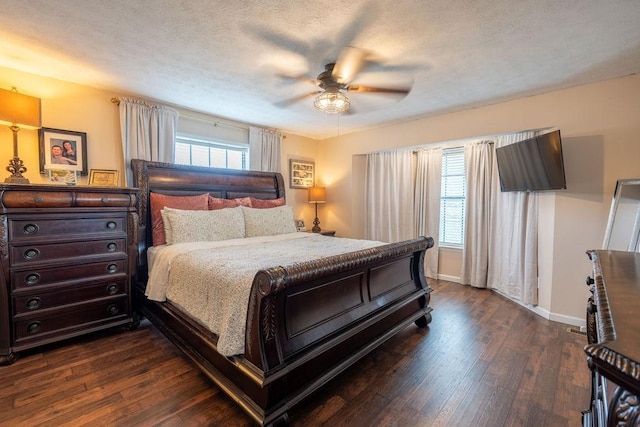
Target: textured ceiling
{"points": [[226, 58]]}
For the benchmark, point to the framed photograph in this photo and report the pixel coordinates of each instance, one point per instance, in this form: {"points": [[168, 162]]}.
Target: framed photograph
{"points": [[300, 225], [63, 176], [103, 178], [301, 174], [63, 150]]}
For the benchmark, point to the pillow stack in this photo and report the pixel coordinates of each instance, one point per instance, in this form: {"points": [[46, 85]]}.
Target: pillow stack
{"points": [[202, 218]]}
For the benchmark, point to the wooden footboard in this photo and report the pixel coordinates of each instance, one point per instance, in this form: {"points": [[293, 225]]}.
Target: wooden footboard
{"points": [[308, 322]]}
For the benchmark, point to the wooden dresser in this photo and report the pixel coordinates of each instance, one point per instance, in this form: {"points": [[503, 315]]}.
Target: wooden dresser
{"points": [[613, 335], [67, 255]]}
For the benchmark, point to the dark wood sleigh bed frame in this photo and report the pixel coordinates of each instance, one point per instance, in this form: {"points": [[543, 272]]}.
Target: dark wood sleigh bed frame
{"points": [[307, 322]]}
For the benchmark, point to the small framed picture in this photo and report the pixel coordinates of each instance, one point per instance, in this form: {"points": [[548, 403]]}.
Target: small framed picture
{"points": [[300, 225], [103, 177], [63, 176], [301, 174], [63, 149]]}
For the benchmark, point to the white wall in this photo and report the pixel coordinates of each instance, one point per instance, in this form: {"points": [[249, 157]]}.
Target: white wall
{"points": [[600, 126]]}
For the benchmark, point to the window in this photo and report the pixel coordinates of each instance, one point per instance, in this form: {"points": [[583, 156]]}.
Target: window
{"points": [[452, 198], [199, 152]]}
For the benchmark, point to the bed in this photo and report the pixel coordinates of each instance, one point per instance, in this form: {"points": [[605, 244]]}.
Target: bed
{"points": [[305, 321]]}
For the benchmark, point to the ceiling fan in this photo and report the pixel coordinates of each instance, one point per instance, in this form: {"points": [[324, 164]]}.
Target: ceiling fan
{"points": [[336, 79]]}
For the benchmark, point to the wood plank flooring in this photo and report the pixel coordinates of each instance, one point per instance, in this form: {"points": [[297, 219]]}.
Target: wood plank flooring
{"points": [[483, 361]]}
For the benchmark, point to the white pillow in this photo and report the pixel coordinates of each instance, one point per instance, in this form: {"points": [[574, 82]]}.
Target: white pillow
{"points": [[183, 226], [268, 222]]}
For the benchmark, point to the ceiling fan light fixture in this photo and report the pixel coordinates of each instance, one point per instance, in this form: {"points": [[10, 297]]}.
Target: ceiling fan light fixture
{"points": [[332, 102]]}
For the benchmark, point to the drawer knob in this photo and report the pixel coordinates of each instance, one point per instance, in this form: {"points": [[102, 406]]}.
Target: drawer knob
{"points": [[30, 229], [38, 199], [113, 310], [31, 253], [105, 200], [112, 268], [32, 279], [112, 288], [111, 247], [33, 303], [111, 225], [34, 327]]}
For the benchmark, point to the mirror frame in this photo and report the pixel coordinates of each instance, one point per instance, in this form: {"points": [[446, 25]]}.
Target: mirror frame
{"points": [[634, 238]]}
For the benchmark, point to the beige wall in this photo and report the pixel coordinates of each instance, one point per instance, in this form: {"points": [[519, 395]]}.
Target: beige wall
{"points": [[600, 126], [80, 108]]}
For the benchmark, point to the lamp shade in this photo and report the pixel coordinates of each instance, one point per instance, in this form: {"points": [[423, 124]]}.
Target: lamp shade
{"points": [[19, 109], [317, 195]]}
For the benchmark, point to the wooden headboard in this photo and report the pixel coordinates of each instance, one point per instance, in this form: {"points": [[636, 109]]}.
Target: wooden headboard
{"points": [[168, 178]]}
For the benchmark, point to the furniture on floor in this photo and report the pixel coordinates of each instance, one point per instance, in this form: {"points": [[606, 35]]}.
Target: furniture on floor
{"points": [[306, 323], [67, 256], [613, 335]]}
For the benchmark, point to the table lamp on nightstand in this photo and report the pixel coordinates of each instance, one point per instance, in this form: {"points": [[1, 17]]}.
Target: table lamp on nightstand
{"points": [[317, 195]]}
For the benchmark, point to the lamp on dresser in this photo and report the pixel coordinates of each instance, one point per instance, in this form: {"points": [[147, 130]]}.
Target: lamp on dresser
{"points": [[317, 195], [18, 111]]}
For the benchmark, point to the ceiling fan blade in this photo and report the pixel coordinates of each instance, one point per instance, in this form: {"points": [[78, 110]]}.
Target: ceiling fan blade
{"points": [[287, 102], [303, 79], [349, 63], [362, 89]]}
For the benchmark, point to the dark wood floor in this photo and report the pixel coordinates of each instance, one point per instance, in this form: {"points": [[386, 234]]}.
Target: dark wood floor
{"points": [[484, 361]]}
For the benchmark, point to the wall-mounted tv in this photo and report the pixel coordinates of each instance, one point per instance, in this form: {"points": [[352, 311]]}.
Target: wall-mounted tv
{"points": [[535, 164]]}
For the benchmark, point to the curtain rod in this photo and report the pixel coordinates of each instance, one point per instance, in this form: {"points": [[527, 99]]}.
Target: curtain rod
{"points": [[215, 122], [211, 121]]}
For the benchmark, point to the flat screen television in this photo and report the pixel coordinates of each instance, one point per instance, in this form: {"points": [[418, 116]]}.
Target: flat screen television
{"points": [[535, 164]]}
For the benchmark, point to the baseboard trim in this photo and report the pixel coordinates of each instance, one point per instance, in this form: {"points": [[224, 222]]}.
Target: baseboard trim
{"points": [[546, 314], [453, 279]]}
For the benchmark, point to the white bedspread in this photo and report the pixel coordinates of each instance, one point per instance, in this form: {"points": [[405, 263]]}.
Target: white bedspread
{"points": [[212, 280]]}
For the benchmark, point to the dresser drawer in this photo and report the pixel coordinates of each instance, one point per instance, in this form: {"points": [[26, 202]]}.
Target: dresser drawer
{"points": [[30, 229], [30, 254], [37, 326], [65, 199], [65, 274], [37, 301]]}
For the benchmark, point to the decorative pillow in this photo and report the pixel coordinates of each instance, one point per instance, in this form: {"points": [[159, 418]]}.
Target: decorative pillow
{"points": [[159, 201], [268, 222], [217, 203], [203, 226], [266, 203]]}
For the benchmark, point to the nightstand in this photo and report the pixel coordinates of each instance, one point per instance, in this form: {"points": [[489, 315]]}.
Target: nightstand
{"points": [[331, 233]]}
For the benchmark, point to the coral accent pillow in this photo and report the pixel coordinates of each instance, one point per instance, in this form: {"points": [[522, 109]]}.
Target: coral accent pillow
{"points": [[159, 201], [216, 203], [266, 203]]}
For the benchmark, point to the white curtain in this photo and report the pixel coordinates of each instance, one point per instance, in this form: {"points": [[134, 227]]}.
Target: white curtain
{"points": [[264, 150], [148, 132], [389, 196], [478, 163], [513, 240], [427, 202]]}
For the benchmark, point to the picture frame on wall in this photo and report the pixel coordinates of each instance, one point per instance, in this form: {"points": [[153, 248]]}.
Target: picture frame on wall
{"points": [[301, 173], [63, 150], [103, 177]]}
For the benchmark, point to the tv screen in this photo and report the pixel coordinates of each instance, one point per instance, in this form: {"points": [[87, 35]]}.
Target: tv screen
{"points": [[534, 164]]}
